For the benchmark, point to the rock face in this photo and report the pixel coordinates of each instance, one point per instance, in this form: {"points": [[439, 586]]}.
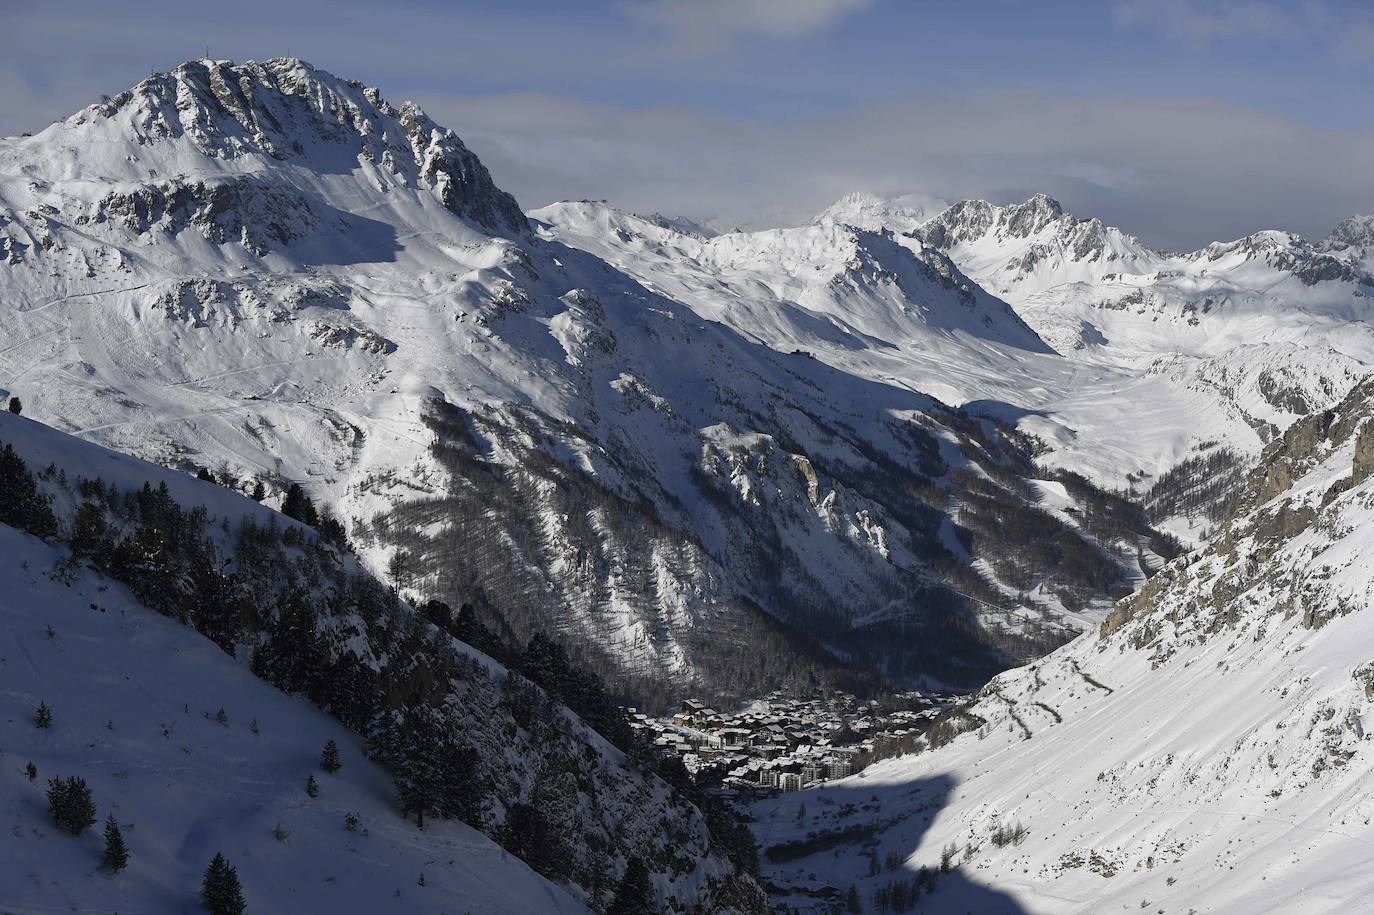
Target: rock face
{"points": [[1363, 463]]}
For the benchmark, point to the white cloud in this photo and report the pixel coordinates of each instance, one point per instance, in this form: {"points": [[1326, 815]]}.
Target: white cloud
{"points": [[705, 24], [1202, 21], [1179, 173], [1347, 32]]}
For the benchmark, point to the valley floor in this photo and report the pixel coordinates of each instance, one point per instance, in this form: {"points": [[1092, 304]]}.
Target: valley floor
{"points": [[1235, 777]]}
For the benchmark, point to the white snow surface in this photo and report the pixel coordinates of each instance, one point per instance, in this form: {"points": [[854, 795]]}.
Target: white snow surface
{"points": [[134, 696], [1208, 755]]}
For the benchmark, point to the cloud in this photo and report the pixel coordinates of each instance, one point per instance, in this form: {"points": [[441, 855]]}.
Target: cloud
{"points": [[1202, 21], [1177, 172], [706, 24], [1345, 31]]}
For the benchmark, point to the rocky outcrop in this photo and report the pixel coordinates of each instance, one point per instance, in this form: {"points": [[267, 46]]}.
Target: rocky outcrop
{"points": [[285, 109], [1363, 462], [259, 215]]}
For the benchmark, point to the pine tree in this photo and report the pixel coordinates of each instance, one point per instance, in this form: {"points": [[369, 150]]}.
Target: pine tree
{"points": [[220, 892], [259, 491], [432, 773], [329, 757], [116, 855], [15, 406], [635, 894], [69, 802], [42, 716], [294, 503], [299, 506], [31, 771], [312, 787], [204, 474], [852, 903], [90, 533], [331, 528], [398, 568], [540, 832]]}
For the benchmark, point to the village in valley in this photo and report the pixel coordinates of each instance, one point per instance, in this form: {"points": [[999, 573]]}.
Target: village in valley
{"points": [[788, 743]]}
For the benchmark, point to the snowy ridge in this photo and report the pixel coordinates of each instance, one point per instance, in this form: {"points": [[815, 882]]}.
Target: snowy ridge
{"points": [[1225, 709]]}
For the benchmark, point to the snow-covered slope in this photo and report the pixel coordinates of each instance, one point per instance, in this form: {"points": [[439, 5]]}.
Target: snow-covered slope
{"points": [[134, 697], [141, 613], [273, 272], [1205, 751]]}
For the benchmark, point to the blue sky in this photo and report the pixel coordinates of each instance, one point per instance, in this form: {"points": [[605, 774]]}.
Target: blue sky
{"points": [[1181, 120]]}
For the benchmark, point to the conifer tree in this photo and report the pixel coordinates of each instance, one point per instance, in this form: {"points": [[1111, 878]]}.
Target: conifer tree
{"points": [[220, 892], [299, 506], [329, 757], [90, 533], [116, 854], [433, 774], [635, 894], [204, 474], [259, 491], [42, 716], [15, 406], [312, 787], [31, 771], [69, 801]]}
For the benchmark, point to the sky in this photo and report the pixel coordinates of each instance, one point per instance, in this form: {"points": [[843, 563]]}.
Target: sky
{"points": [[1182, 121]]}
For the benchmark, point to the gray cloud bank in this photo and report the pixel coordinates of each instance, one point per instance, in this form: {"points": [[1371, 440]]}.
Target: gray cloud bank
{"points": [[1176, 172]]}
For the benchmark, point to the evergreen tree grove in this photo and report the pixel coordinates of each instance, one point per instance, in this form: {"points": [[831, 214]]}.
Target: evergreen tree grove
{"points": [[69, 801]]}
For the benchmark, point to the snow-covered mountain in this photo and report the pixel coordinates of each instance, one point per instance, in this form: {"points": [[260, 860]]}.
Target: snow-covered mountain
{"points": [[1271, 325], [276, 273], [1116, 387], [1206, 750], [1156, 356]]}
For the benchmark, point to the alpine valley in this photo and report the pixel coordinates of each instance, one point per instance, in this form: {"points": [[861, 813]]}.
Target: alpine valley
{"points": [[539, 465]]}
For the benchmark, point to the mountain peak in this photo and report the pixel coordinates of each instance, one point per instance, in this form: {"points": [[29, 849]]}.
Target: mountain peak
{"points": [[1355, 232], [284, 109], [874, 213]]}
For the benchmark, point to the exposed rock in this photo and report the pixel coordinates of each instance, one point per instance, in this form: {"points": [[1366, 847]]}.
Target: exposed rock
{"points": [[1363, 464]]}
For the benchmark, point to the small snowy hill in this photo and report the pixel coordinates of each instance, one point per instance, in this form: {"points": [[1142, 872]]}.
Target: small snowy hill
{"points": [[1205, 751], [154, 620]]}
